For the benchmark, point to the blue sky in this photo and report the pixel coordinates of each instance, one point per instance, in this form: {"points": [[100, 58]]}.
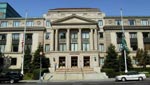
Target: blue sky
{"points": [[36, 8]]}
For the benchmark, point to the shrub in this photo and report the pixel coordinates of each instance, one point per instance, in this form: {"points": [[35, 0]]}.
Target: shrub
{"points": [[110, 72]]}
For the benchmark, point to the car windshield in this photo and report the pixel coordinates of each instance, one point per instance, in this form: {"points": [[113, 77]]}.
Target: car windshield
{"points": [[132, 73]]}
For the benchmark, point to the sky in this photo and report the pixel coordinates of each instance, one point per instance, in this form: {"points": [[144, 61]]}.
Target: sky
{"points": [[36, 8]]}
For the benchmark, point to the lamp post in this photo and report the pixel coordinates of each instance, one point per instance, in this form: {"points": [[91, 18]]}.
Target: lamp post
{"points": [[41, 53]]}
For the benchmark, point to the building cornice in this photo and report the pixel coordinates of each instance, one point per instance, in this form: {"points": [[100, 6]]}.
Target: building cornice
{"points": [[127, 28]]}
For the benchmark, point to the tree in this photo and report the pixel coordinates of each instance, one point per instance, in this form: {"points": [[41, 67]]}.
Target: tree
{"points": [[111, 58], [36, 59], [27, 59], [122, 61], [143, 58]]}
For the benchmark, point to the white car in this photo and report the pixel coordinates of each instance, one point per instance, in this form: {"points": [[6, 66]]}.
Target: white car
{"points": [[131, 75]]}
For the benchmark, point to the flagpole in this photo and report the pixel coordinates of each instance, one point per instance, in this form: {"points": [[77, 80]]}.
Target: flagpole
{"points": [[23, 45], [123, 36]]}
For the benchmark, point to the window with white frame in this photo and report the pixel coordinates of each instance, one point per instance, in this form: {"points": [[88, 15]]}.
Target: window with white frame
{"points": [[100, 22], [102, 60], [118, 22], [62, 35], [4, 24], [131, 22], [48, 23], [86, 46], [133, 35], [74, 47], [16, 23], [74, 35], [101, 47], [144, 22], [47, 47], [15, 36], [15, 48], [62, 47], [2, 36], [29, 23], [85, 35]]}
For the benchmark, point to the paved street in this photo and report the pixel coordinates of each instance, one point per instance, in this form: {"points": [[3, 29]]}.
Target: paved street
{"points": [[101, 82]]}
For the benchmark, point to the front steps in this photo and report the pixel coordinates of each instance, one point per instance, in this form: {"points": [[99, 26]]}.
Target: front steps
{"points": [[75, 74]]}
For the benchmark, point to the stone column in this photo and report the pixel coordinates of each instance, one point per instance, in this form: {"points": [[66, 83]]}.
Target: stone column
{"points": [[140, 40], [79, 40], [95, 39], [52, 41], [68, 39], [56, 40], [8, 43], [91, 39]]}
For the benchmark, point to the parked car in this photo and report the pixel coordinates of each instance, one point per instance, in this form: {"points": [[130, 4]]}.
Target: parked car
{"points": [[12, 76], [131, 75]]}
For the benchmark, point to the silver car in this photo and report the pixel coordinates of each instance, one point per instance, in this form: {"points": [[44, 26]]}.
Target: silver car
{"points": [[131, 75]]}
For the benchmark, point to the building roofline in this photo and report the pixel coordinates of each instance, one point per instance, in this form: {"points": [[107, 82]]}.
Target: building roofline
{"points": [[108, 17]]}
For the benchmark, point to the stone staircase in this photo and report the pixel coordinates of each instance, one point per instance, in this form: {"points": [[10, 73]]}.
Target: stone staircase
{"points": [[75, 74]]}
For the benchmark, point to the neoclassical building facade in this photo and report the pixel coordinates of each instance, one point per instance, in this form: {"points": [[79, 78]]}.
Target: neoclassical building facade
{"points": [[73, 37]]}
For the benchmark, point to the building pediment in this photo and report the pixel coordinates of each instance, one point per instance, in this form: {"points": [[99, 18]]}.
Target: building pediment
{"points": [[74, 19]]}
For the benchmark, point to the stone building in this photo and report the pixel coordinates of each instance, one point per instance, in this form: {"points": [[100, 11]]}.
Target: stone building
{"points": [[74, 39]]}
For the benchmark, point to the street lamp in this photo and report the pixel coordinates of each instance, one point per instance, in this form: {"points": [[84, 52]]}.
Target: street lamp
{"points": [[41, 53]]}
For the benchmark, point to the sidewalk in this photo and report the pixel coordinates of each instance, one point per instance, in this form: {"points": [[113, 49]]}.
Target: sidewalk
{"points": [[37, 81]]}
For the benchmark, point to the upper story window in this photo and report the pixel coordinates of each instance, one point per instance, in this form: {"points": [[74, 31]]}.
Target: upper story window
{"points": [[2, 36], [85, 35], [28, 37], [47, 36], [62, 35], [101, 47], [15, 36], [133, 35], [146, 34], [48, 23], [4, 24], [131, 22], [100, 22], [118, 22], [16, 23], [29, 23], [74, 35], [144, 22]]}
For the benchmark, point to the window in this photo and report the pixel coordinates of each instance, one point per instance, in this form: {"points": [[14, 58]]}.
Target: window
{"points": [[28, 36], [131, 22], [28, 47], [119, 34], [85, 35], [74, 47], [48, 23], [100, 22], [2, 36], [4, 24], [133, 35], [16, 23], [146, 34], [134, 46], [15, 36], [13, 61], [119, 46], [144, 22], [101, 47], [47, 36], [85, 46], [62, 35], [118, 22], [74, 35], [14, 48], [2, 48], [102, 61], [62, 47], [29, 23], [47, 48], [101, 35]]}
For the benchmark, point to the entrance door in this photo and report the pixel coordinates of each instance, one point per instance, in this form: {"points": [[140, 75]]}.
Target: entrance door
{"points": [[74, 61], [86, 61], [62, 62]]}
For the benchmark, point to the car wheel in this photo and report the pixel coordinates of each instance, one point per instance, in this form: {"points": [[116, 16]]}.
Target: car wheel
{"points": [[123, 79], [140, 79], [12, 81]]}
